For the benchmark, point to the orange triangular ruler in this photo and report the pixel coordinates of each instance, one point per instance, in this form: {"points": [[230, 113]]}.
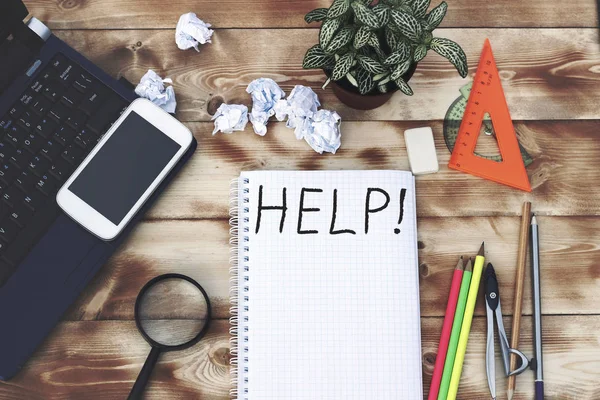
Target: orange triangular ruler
{"points": [[487, 96]]}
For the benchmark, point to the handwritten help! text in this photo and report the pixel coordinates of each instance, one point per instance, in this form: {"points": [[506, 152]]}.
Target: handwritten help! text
{"points": [[376, 200]]}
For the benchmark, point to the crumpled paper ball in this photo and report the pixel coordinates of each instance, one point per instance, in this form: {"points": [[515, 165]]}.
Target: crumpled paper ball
{"points": [[299, 108], [230, 118], [152, 87], [325, 135], [265, 94], [190, 31]]}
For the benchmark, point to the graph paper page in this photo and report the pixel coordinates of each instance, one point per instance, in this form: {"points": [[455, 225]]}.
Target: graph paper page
{"points": [[333, 311]]}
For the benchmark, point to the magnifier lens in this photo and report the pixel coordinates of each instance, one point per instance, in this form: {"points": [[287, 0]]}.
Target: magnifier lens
{"points": [[172, 312]]}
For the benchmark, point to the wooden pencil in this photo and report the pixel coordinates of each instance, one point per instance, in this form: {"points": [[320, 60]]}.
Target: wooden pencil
{"points": [[446, 330], [518, 297], [461, 305]]}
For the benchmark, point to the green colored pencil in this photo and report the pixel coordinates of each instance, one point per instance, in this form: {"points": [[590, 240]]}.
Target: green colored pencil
{"points": [[457, 324]]}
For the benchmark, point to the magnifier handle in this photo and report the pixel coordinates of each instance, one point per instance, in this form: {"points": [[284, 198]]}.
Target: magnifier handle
{"points": [[142, 379]]}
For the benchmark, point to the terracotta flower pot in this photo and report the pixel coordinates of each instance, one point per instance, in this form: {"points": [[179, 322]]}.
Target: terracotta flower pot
{"points": [[350, 96]]}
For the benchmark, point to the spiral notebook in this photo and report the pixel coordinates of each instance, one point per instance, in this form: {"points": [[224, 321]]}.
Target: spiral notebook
{"points": [[325, 286]]}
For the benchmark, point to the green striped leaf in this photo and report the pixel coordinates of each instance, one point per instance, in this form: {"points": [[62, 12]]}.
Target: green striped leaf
{"points": [[338, 8], [435, 16], [374, 41], [328, 30], [403, 46], [351, 79], [362, 36], [403, 86], [453, 52], [383, 13], [397, 57], [342, 38], [317, 58], [401, 69], [420, 52], [420, 7], [371, 65], [407, 24], [316, 15], [342, 66], [365, 15], [365, 81], [391, 37]]}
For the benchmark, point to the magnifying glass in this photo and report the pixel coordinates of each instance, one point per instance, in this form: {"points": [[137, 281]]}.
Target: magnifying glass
{"points": [[172, 312]]}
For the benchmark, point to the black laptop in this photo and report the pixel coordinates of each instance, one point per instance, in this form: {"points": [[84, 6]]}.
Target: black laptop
{"points": [[54, 107]]}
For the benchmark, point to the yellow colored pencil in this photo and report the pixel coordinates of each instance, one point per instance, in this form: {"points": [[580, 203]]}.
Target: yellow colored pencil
{"points": [[466, 325]]}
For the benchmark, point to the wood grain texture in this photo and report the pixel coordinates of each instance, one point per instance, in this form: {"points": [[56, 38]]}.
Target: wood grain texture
{"points": [[101, 359], [564, 174], [547, 74], [200, 249], [151, 14]]}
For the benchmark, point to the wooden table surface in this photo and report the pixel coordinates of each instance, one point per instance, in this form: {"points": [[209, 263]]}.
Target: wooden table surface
{"points": [[549, 60]]}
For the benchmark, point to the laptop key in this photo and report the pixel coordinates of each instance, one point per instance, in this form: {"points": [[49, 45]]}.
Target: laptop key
{"points": [[11, 195], [46, 184], [86, 139], [67, 73], [39, 165], [53, 90], [6, 151], [16, 110], [34, 200], [18, 158], [51, 149], [27, 99], [8, 230], [60, 169], [8, 173], [37, 86], [26, 181], [76, 120], [28, 119], [59, 61], [59, 112], [83, 82], [73, 154], [25, 239], [64, 135], [21, 215], [94, 98], [45, 127], [32, 143], [14, 135], [71, 98], [41, 105], [5, 122]]}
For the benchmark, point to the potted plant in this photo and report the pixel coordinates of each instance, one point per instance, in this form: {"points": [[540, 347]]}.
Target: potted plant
{"points": [[369, 49]]}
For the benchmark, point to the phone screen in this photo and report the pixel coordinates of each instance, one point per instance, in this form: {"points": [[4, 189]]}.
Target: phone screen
{"points": [[126, 165]]}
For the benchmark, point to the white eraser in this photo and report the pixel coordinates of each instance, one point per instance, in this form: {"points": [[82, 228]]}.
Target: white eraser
{"points": [[421, 151]]}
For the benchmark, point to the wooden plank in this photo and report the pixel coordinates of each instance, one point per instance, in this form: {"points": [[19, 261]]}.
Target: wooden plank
{"points": [[101, 359], [200, 249], [150, 14], [548, 74], [564, 175]]}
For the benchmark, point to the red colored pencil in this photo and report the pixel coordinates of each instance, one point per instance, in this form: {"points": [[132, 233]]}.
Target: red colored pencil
{"points": [[446, 330]]}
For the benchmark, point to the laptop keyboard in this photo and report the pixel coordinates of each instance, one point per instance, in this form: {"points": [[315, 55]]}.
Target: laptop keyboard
{"points": [[43, 138]]}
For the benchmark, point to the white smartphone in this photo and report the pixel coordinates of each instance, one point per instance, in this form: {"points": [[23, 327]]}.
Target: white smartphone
{"points": [[126, 166]]}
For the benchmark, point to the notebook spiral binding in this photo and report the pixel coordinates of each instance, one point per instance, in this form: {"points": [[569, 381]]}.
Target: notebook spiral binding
{"points": [[238, 272]]}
